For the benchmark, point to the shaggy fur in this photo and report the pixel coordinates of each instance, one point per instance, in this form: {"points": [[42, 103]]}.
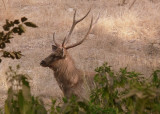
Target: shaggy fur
{"points": [[70, 79]]}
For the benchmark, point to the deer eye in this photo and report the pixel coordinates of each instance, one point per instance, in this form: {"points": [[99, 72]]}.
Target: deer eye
{"points": [[54, 47]]}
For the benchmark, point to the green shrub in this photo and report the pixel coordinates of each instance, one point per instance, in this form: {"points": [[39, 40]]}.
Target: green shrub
{"points": [[115, 93], [20, 100]]}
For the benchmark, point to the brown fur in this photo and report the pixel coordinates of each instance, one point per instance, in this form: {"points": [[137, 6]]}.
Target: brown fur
{"points": [[70, 79]]}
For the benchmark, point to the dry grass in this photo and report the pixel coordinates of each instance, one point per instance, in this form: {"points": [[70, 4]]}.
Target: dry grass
{"points": [[122, 37]]}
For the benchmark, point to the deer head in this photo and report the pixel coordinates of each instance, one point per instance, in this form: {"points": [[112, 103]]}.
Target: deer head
{"points": [[60, 50]]}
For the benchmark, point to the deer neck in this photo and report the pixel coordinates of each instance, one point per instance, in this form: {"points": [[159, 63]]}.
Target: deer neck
{"points": [[65, 72]]}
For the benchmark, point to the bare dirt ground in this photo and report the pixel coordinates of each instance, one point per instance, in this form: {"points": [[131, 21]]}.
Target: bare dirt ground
{"points": [[122, 37]]}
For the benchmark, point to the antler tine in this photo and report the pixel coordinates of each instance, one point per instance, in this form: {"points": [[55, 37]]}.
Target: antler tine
{"points": [[73, 25], [83, 17], [80, 42], [55, 40], [96, 20]]}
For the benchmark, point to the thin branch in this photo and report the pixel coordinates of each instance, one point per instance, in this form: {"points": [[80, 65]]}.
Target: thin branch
{"points": [[132, 4], [4, 4]]}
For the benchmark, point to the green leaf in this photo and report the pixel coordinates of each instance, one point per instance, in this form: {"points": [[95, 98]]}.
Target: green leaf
{"points": [[7, 111], [11, 23], [5, 54], [21, 27], [26, 83], [1, 34], [53, 102], [2, 45], [12, 55], [16, 21], [6, 27], [18, 66], [96, 77], [83, 105], [23, 19], [18, 54], [7, 41], [58, 108], [30, 24], [65, 100], [15, 29], [20, 100]]}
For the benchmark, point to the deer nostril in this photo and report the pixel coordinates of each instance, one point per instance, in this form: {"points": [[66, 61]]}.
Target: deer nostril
{"points": [[43, 63]]}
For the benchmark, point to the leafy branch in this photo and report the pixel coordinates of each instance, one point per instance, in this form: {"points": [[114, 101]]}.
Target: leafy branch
{"points": [[9, 29]]}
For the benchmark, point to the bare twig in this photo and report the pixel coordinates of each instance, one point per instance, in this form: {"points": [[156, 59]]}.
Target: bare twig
{"points": [[132, 4], [122, 3], [4, 4], [96, 20]]}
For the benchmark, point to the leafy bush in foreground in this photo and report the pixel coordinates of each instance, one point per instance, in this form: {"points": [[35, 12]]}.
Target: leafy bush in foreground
{"points": [[19, 100], [115, 93], [123, 92], [126, 92]]}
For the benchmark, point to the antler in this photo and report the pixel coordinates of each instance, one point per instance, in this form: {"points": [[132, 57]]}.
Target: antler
{"points": [[73, 25], [91, 26], [55, 40], [80, 42]]}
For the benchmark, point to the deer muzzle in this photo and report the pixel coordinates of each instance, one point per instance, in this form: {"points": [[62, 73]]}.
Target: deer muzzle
{"points": [[43, 63]]}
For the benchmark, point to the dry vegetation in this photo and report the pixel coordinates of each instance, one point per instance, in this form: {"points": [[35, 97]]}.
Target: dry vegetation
{"points": [[122, 37]]}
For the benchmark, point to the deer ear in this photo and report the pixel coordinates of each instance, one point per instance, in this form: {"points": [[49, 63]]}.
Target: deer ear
{"points": [[54, 47]]}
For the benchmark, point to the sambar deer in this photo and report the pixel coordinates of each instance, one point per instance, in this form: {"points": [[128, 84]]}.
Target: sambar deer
{"points": [[70, 79]]}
